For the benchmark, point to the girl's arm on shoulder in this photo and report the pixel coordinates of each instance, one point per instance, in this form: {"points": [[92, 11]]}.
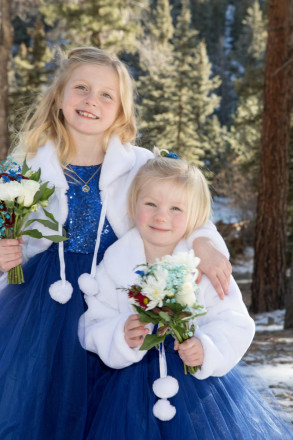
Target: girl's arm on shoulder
{"points": [[210, 247], [225, 332], [101, 327]]}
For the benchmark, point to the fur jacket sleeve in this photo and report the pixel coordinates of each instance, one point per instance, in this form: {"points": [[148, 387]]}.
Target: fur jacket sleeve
{"points": [[226, 331]]}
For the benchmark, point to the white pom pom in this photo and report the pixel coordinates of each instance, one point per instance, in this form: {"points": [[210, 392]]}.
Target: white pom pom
{"points": [[163, 410], [61, 291], [165, 387], [88, 284]]}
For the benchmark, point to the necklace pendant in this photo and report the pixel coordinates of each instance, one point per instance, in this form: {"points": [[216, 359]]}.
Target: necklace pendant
{"points": [[85, 188]]}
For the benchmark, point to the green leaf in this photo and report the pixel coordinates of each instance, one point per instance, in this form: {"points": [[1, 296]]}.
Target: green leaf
{"points": [[165, 316], [46, 223], [147, 316], [37, 234], [35, 175], [50, 215], [32, 233], [175, 307], [25, 167], [55, 238], [43, 193], [151, 341], [47, 193]]}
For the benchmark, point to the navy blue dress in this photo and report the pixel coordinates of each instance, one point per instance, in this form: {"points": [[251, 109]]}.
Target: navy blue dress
{"points": [[217, 408], [45, 375]]}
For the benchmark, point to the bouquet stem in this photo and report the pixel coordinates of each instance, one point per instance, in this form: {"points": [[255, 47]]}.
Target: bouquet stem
{"points": [[15, 275], [187, 368]]}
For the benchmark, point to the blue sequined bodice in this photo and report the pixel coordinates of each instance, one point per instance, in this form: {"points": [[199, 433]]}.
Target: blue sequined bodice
{"points": [[84, 210]]}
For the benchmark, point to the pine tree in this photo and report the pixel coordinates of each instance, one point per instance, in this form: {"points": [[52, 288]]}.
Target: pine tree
{"points": [[179, 101], [208, 17], [244, 136], [29, 72], [155, 51], [112, 26]]}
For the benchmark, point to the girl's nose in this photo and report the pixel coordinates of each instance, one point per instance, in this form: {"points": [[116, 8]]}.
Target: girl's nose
{"points": [[160, 216], [91, 99]]}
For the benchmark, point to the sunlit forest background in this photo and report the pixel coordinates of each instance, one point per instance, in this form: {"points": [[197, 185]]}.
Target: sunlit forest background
{"points": [[201, 71]]}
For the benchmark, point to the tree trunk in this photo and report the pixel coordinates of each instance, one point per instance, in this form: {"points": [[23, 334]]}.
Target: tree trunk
{"points": [[269, 277], [6, 38], [289, 300]]}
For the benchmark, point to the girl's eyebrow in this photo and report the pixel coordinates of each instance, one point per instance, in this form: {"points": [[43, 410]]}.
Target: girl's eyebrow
{"points": [[85, 81]]}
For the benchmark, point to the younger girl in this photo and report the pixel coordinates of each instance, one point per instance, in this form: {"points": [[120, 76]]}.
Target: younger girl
{"points": [[79, 136], [167, 200]]}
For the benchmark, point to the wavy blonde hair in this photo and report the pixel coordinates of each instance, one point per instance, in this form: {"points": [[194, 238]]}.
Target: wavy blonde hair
{"points": [[186, 176], [46, 122]]}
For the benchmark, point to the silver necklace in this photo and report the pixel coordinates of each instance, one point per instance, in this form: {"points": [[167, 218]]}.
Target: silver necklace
{"points": [[85, 188]]}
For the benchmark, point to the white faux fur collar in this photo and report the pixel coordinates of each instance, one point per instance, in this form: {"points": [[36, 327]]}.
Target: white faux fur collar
{"points": [[125, 254], [47, 159], [122, 257], [119, 159]]}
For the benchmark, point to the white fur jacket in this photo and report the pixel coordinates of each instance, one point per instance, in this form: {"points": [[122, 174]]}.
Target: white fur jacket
{"points": [[120, 165], [226, 331]]}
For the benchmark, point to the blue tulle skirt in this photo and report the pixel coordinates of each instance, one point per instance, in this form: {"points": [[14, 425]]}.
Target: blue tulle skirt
{"points": [[218, 408], [45, 375]]}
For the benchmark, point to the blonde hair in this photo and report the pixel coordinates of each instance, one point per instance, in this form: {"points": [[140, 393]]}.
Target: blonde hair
{"points": [[185, 175], [47, 121]]}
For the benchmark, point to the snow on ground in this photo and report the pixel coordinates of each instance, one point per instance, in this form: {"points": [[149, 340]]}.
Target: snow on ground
{"points": [[270, 321], [271, 352], [224, 211], [271, 355]]}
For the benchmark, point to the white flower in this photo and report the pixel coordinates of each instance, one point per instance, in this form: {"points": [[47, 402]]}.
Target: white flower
{"points": [[187, 296], [30, 187], [9, 191], [35, 207], [186, 258], [154, 289], [44, 203]]}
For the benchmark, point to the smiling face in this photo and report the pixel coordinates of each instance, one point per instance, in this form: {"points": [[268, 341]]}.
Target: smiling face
{"points": [[91, 101], [161, 217]]}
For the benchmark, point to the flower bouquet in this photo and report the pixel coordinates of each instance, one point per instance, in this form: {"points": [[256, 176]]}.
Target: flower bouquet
{"points": [[165, 294], [21, 193]]}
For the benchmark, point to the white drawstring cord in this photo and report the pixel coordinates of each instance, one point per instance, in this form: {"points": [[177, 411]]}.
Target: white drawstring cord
{"points": [[87, 281], [98, 240], [61, 291]]}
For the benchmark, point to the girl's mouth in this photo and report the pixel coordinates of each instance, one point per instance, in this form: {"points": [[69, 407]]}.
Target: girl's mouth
{"points": [[154, 228], [86, 114]]}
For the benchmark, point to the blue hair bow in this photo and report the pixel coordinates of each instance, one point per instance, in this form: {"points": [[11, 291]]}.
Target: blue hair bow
{"points": [[172, 155]]}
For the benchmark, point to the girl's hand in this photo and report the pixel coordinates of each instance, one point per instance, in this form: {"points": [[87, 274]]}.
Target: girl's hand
{"points": [[190, 351], [10, 253], [134, 331], [213, 264]]}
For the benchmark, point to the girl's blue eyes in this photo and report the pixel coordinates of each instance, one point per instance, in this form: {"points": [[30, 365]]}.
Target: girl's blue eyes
{"points": [[104, 94], [173, 208]]}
